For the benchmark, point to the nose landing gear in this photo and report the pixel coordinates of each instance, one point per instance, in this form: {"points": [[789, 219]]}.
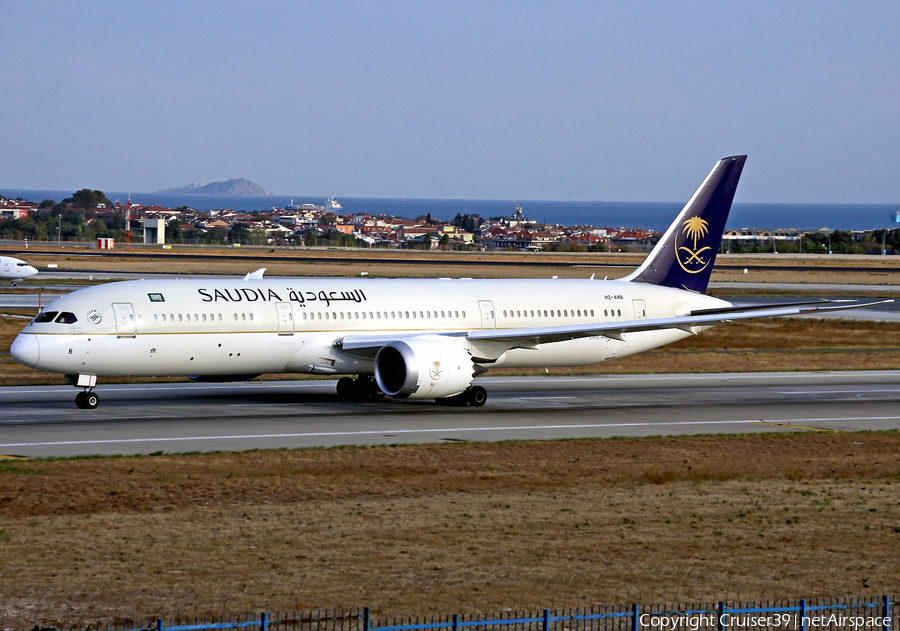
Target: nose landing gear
{"points": [[87, 400]]}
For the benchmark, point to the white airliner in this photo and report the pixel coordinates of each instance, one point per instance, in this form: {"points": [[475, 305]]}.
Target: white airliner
{"points": [[15, 270], [408, 339]]}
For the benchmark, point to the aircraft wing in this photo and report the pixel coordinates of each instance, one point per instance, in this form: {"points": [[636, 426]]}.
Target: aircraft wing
{"points": [[691, 323]]}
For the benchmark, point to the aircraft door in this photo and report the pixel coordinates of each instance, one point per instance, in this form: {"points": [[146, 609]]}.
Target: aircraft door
{"points": [[640, 310], [125, 323], [6, 265], [488, 317], [285, 318]]}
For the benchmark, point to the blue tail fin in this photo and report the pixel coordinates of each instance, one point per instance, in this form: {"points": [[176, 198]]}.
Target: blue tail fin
{"points": [[685, 254]]}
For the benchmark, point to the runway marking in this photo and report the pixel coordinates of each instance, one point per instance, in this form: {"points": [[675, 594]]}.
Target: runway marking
{"points": [[894, 390], [382, 432]]}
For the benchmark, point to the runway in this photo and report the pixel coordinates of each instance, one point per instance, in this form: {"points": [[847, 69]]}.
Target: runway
{"points": [[147, 418]]}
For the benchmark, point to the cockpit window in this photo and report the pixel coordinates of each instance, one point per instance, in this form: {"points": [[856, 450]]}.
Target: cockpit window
{"points": [[67, 318], [46, 316], [21, 264]]}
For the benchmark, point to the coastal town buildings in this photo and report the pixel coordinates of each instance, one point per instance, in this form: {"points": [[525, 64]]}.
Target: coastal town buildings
{"points": [[306, 224]]}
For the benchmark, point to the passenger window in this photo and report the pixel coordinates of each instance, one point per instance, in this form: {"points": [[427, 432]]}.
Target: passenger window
{"points": [[46, 316], [155, 318], [464, 314], [244, 317], [592, 313], [180, 318], [251, 317], [66, 318]]}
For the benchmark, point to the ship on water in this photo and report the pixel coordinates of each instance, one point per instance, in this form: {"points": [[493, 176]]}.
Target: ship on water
{"points": [[331, 204]]}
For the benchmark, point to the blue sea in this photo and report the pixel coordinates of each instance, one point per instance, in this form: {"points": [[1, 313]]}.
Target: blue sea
{"points": [[649, 215]]}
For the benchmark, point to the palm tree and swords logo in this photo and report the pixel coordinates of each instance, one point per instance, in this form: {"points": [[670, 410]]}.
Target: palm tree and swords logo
{"points": [[691, 260]]}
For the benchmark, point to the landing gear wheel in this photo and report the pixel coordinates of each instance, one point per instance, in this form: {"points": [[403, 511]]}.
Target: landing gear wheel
{"points": [[361, 389], [345, 388], [87, 400], [477, 396]]}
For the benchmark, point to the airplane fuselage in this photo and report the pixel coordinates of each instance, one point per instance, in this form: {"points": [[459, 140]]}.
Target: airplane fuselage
{"points": [[250, 327]]}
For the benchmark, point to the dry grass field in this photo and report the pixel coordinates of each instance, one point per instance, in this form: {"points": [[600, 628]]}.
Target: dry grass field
{"points": [[444, 528]]}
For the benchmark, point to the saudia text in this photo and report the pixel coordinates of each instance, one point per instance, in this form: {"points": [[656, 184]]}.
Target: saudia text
{"points": [[247, 294]]}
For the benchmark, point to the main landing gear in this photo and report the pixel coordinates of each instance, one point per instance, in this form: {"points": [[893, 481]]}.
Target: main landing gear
{"points": [[363, 388], [475, 396]]}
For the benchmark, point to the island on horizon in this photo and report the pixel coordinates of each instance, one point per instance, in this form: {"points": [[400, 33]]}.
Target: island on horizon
{"points": [[239, 187]]}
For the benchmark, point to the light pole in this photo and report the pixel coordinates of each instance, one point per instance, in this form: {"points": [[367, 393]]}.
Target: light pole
{"points": [[829, 243], [59, 230]]}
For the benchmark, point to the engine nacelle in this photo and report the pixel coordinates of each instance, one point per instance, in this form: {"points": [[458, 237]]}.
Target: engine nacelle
{"points": [[423, 369]]}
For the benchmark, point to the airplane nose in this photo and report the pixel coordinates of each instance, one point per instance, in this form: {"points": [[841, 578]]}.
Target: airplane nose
{"points": [[32, 270], [25, 349]]}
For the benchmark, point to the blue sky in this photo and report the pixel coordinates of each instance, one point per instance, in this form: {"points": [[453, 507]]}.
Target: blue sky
{"points": [[472, 100]]}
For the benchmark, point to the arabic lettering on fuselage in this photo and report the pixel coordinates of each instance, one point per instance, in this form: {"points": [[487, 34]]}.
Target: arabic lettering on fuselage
{"points": [[248, 294]]}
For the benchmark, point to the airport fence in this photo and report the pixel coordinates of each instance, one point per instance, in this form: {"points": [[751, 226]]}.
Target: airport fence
{"points": [[877, 613]]}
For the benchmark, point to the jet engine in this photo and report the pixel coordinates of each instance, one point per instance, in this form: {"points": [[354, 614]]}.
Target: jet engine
{"points": [[423, 369]]}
